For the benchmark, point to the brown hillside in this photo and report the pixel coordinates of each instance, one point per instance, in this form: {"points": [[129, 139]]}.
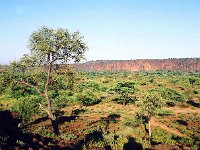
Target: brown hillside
{"points": [[180, 64]]}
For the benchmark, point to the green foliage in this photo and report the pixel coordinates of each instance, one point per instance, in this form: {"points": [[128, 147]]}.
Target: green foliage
{"points": [[165, 113], [28, 107], [18, 91], [135, 121], [92, 86], [64, 98], [69, 136], [150, 103], [44, 131], [160, 136], [194, 81], [45, 68], [105, 141], [59, 43], [88, 98], [4, 80], [113, 142], [65, 78], [126, 91], [174, 81], [188, 141], [88, 92], [171, 95]]}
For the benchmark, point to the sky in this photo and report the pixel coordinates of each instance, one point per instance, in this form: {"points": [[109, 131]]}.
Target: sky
{"points": [[113, 29]]}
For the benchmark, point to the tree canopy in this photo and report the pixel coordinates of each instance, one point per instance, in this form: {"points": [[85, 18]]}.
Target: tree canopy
{"points": [[50, 51], [149, 104]]}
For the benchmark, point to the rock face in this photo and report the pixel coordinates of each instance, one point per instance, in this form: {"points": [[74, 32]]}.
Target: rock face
{"points": [[180, 64]]}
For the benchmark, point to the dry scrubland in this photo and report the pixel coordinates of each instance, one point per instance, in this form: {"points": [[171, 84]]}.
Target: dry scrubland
{"points": [[93, 114]]}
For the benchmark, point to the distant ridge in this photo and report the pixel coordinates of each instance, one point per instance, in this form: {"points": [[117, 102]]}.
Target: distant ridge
{"points": [[174, 64]]}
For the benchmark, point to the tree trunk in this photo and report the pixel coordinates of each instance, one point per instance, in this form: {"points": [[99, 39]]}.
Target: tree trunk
{"points": [[149, 123], [49, 109]]}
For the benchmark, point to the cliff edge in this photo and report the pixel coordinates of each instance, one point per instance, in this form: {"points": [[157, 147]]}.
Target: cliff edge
{"points": [[178, 64]]}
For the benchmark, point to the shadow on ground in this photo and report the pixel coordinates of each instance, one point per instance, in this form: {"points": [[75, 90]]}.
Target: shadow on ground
{"points": [[182, 122], [132, 145], [194, 104], [11, 137], [106, 121]]}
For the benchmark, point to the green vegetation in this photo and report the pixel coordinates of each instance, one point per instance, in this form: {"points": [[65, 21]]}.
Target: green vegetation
{"points": [[106, 122], [149, 104], [126, 91], [49, 49]]}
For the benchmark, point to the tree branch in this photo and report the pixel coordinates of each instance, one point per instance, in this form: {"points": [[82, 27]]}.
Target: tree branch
{"points": [[33, 86]]}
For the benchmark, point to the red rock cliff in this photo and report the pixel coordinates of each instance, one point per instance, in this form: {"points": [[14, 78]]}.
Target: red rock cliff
{"points": [[181, 64]]}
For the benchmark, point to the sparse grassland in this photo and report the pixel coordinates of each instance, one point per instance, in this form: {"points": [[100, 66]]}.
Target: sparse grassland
{"points": [[92, 114]]}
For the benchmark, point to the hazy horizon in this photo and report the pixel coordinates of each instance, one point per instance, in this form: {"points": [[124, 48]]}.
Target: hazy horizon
{"points": [[114, 30]]}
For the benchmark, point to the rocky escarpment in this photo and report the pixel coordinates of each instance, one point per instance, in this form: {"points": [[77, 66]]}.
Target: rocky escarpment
{"points": [[180, 64]]}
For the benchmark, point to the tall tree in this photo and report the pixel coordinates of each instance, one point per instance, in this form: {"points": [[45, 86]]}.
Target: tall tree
{"points": [[149, 104], [50, 49]]}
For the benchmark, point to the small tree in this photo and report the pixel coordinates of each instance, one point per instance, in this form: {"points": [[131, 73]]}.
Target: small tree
{"points": [[126, 90], [50, 50], [149, 104]]}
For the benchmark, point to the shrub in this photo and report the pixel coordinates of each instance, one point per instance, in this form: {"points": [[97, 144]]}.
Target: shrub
{"points": [[165, 113], [69, 136], [160, 136], [126, 91], [28, 107], [134, 122], [92, 86], [188, 141], [171, 95], [174, 81], [96, 86], [88, 98], [125, 100], [194, 81], [18, 91], [64, 98]]}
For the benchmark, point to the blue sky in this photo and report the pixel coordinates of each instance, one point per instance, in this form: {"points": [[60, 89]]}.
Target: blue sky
{"points": [[113, 29]]}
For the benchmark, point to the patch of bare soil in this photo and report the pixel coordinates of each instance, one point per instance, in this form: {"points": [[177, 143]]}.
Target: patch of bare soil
{"points": [[178, 109]]}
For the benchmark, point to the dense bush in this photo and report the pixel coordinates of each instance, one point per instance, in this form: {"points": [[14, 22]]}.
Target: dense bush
{"points": [[160, 136], [171, 95], [28, 107], [4, 81], [165, 113], [191, 142], [194, 81], [64, 98], [88, 98], [126, 91], [93, 86], [18, 91], [135, 121]]}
